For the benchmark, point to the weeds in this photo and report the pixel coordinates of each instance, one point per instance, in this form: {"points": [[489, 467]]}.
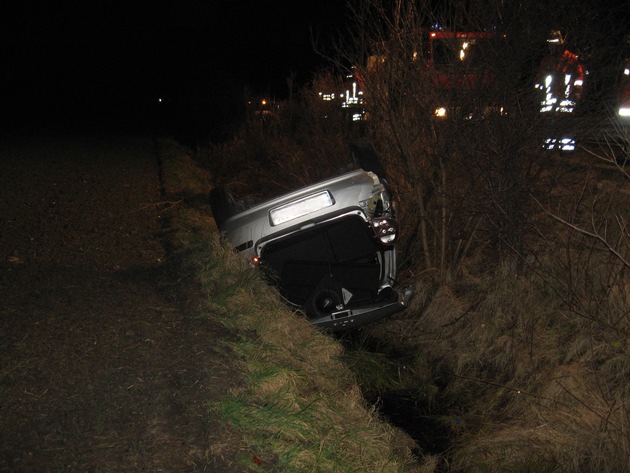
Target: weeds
{"points": [[523, 318], [298, 396], [298, 407]]}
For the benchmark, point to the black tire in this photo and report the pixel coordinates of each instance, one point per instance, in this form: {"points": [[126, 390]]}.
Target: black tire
{"points": [[222, 205], [325, 298], [366, 157]]}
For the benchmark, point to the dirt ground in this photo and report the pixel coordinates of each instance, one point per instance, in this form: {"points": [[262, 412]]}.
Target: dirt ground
{"points": [[104, 365]]}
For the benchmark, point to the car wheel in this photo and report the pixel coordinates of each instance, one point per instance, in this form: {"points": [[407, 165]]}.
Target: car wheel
{"points": [[367, 157], [222, 204], [325, 298]]}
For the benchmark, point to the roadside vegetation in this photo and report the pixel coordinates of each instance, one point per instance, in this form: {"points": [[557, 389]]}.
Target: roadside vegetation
{"points": [[514, 354], [298, 406], [520, 258]]}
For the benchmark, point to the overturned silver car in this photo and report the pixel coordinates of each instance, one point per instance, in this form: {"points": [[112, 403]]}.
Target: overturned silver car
{"points": [[329, 247]]}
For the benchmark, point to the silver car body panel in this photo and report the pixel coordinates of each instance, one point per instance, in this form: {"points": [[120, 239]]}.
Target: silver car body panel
{"points": [[356, 194]]}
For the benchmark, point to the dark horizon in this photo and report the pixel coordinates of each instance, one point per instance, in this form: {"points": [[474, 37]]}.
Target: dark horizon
{"points": [[114, 51], [111, 62], [185, 65]]}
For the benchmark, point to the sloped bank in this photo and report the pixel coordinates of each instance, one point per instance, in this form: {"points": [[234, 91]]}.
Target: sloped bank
{"points": [[299, 407]]}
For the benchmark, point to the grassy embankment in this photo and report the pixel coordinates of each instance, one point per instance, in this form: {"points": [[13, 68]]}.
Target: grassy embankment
{"points": [[298, 407], [523, 364]]}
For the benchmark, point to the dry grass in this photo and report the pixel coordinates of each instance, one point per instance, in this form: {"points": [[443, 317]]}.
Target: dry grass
{"points": [[101, 367], [299, 408], [531, 354], [537, 388]]}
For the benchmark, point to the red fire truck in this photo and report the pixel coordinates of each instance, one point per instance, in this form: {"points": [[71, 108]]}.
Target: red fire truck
{"points": [[460, 65], [461, 68]]}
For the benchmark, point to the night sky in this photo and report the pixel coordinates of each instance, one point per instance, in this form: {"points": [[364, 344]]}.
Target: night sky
{"points": [[110, 58], [123, 55]]}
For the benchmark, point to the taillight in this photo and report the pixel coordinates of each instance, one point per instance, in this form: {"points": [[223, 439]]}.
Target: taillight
{"points": [[385, 229]]}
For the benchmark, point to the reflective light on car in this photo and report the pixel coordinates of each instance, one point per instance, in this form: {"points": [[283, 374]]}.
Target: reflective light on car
{"points": [[301, 207], [385, 230]]}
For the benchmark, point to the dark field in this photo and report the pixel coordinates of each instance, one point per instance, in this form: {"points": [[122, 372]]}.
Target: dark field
{"points": [[104, 365]]}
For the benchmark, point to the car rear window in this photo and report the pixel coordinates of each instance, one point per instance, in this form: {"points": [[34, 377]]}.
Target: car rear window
{"points": [[343, 250]]}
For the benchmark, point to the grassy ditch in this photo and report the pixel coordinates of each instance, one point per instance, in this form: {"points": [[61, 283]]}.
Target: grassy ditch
{"points": [[519, 360], [297, 406], [526, 385]]}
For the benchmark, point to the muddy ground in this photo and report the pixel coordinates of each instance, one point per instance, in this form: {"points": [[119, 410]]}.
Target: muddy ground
{"points": [[104, 365]]}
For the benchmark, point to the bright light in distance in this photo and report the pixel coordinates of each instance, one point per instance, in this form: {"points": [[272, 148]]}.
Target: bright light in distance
{"points": [[624, 112], [263, 102], [563, 144], [626, 72], [327, 97], [440, 112], [462, 52]]}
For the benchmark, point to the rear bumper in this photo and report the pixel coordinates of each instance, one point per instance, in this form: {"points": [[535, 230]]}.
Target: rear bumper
{"points": [[351, 318]]}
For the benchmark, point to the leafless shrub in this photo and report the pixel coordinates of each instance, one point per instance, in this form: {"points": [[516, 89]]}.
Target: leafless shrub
{"points": [[590, 274], [535, 362], [463, 181], [294, 143]]}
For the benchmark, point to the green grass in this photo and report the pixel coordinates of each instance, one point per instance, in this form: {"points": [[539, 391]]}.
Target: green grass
{"points": [[298, 407], [533, 361]]}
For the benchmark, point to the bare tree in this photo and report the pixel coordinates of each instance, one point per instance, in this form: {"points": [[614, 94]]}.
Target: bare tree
{"points": [[449, 96]]}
